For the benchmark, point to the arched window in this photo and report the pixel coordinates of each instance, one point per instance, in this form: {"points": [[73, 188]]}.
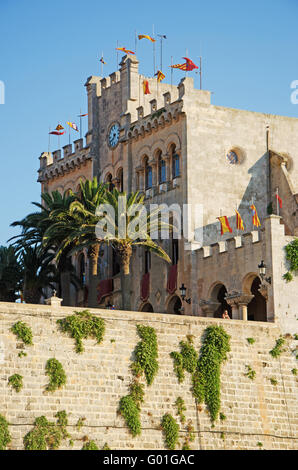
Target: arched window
{"points": [[109, 182], [148, 174], [175, 162], [161, 169]]}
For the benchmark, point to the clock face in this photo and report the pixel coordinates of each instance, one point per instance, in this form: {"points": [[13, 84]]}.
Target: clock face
{"points": [[113, 136]]}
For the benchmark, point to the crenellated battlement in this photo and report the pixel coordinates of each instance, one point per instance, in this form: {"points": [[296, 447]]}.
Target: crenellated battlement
{"points": [[227, 246], [53, 164]]}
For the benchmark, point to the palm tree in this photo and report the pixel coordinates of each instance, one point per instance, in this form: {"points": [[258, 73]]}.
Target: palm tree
{"points": [[37, 271], [123, 245], [74, 227], [10, 274], [34, 226]]}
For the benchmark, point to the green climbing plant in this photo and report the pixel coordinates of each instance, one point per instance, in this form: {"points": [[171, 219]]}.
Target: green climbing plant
{"points": [[146, 354], [130, 405], [90, 445], [180, 404], [16, 382], [190, 436], [206, 378], [83, 325], [185, 360], [47, 435], [23, 332], [250, 373], [55, 371], [277, 350], [170, 429], [5, 437], [292, 258]]}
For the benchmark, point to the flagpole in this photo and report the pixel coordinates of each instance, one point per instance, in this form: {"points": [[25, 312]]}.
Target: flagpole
{"points": [[153, 33], [200, 72], [171, 71], [117, 56], [186, 50], [80, 123], [136, 41], [277, 202], [49, 146], [69, 134], [101, 63]]}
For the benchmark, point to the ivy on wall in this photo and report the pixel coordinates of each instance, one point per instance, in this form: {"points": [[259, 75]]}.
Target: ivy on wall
{"points": [[55, 371], [170, 429], [185, 360], [23, 332], [5, 437], [16, 382], [292, 258], [146, 354], [206, 378], [46, 435], [277, 350], [83, 325]]}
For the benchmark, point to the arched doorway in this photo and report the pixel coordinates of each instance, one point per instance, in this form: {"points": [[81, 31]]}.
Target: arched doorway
{"points": [[174, 305], [218, 295], [147, 307], [257, 308]]}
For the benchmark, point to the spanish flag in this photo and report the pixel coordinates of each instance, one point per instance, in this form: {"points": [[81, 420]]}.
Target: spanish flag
{"points": [[146, 87], [225, 226], [255, 219], [239, 221], [160, 75], [145, 36]]}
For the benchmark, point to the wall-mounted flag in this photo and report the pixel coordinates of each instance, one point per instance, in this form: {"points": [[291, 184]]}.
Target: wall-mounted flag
{"points": [[127, 51], [146, 87], [145, 36], [224, 224], [239, 221], [255, 219], [160, 76]]}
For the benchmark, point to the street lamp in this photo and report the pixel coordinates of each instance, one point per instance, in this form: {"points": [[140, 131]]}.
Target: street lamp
{"points": [[262, 270], [183, 294]]}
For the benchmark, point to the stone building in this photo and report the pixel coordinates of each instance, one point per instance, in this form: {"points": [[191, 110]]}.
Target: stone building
{"points": [[178, 148]]}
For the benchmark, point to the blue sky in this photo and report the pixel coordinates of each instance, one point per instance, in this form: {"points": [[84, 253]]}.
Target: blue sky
{"points": [[48, 49]]}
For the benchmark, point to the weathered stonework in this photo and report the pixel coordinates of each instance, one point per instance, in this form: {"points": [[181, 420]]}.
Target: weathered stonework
{"points": [[256, 411]]}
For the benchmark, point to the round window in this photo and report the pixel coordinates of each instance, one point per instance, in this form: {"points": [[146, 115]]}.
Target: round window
{"points": [[232, 157]]}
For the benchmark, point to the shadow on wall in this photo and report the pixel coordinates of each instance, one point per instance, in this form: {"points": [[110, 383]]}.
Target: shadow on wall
{"points": [[256, 191]]}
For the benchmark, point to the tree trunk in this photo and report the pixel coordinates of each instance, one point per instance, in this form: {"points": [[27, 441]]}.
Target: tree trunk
{"points": [[93, 254], [125, 253], [65, 288]]}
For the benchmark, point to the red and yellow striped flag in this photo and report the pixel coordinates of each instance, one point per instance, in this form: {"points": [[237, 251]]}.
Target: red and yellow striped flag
{"points": [[160, 76], [146, 87], [224, 223], [239, 221], [255, 219], [127, 51], [145, 36]]}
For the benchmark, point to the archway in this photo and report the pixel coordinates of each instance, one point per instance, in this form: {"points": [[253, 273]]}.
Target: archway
{"points": [[218, 294], [257, 308], [147, 307], [174, 305]]}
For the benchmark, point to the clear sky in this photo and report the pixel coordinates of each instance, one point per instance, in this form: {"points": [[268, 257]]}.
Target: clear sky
{"points": [[48, 49]]}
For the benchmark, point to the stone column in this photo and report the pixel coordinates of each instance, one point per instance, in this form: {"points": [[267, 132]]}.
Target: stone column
{"points": [[243, 302], [208, 307], [232, 301]]}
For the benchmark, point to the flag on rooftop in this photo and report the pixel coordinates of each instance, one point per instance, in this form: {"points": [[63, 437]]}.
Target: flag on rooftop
{"points": [[102, 61], [146, 87], [160, 76], [56, 133], [82, 115], [59, 127], [73, 126], [145, 36], [187, 66], [127, 51], [279, 200]]}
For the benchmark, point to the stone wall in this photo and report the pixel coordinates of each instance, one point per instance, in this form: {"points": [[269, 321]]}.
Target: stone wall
{"points": [[256, 411]]}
